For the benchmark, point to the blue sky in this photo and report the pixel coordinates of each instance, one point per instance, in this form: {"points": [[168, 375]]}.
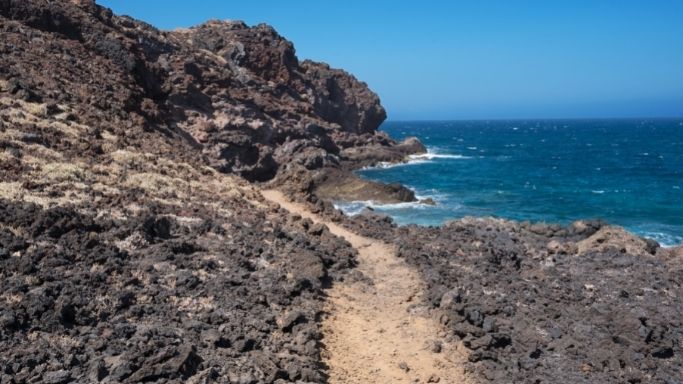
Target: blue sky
{"points": [[476, 59]]}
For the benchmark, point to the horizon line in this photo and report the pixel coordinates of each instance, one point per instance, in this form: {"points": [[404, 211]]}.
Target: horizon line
{"points": [[533, 118]]}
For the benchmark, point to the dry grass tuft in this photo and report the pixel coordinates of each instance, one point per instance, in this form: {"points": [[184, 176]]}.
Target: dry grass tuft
{"points": [[192, 304], [36, 110], [64, 172], [11, 191], [11, 298], [5, 156], [43, 154], [60, 179], [159, 185]]}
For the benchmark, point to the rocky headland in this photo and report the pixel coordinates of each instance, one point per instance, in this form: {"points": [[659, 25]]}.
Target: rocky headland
{"points": [[136, 245]]}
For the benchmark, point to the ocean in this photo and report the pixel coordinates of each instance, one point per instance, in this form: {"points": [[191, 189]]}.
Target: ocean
{"points": [[626, 172]]}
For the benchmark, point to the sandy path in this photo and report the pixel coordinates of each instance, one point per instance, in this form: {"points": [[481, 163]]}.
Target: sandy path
{"points": [[376, 331]]}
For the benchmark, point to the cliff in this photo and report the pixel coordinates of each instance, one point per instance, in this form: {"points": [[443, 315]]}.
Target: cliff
{"points": [[132, 247], [237, 96]]}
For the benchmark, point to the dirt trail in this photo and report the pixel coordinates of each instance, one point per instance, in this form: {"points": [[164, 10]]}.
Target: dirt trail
{"points": [[377, 331]]}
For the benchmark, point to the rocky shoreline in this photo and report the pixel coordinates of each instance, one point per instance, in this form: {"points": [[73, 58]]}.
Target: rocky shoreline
{"points": [[135, 245], [545, 303]]}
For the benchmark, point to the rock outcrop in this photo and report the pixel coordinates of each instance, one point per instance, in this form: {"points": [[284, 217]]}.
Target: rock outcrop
{"points": [[545, 303], [238, 94], [128, 251]]}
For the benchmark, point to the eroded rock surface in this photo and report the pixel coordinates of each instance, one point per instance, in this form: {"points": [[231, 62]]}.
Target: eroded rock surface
{"points": [[130, 253], [538, 303], [127, 254], [237, 94], [156, 297]]}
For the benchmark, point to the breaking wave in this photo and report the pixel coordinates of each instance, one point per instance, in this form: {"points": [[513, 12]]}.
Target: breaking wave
{"points": [[423, 158]]}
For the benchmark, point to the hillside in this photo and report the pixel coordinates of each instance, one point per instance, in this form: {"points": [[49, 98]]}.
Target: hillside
{"points": [[136, 244], [132, 246]]}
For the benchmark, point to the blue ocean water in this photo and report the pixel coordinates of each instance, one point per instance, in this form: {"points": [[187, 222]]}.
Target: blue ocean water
{"points": [[627, 172]]}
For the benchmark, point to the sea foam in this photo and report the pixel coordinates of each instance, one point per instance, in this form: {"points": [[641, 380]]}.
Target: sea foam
{"points": [[418, 159], [432, 155], [544, 171], [353, 208], [666, 240]]}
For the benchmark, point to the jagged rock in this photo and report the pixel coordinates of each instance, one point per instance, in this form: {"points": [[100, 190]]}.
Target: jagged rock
{"points": [[339, 185], [548, 302], [57, 377], [126, 253], [234, 92]]}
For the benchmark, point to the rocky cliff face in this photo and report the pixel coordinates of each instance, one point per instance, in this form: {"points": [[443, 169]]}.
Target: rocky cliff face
{"points": [[237, 94], [128, 251]]}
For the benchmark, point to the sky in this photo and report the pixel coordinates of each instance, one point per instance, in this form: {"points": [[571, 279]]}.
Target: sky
{"points": [[469, 59]]}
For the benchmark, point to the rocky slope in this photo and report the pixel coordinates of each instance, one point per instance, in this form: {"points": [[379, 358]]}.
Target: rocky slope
{"points": [[128, 251], [160, 290], [540, 303], [238, 95], [135, 245]]}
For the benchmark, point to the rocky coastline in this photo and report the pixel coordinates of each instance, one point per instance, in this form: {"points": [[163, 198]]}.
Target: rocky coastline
{"points": [[135, 245], [543, 303]]}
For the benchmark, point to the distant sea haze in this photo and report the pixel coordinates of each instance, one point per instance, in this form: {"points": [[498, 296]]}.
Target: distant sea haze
{"points": [[626, 172]]}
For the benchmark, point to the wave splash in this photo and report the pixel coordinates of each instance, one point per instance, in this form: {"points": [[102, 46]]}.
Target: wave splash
{"points": [[666, 240], [423, 158], [431, 156], [486, 169], [353, 208]]}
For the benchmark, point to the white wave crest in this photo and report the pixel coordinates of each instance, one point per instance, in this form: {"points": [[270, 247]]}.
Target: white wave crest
{"points": [[423, 158], [352, 208], [665, 240], [386, 164], [431, 155]]}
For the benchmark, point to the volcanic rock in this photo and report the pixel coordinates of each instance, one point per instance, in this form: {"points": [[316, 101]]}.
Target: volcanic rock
{"points": [[586, 302], [127, 254], [133, 247]]}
